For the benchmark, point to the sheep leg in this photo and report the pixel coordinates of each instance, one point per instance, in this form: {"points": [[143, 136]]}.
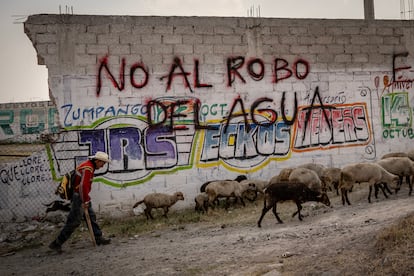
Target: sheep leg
{"points": [[336, 184], [376, 189], [298, 211], [400, 181], [275, 213], [148, 214], [410, 184], [264, 211], [387, 188], [344, 194], [241, 200], [369, 195], [383, 187], [165, 211], [211, 201]]}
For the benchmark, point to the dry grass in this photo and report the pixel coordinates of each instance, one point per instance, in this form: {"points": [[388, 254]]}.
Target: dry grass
{"points": [[133, 225], [388, 252]]}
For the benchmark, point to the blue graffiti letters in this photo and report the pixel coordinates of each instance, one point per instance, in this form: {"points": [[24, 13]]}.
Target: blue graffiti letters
{"points": [[239, 142]]}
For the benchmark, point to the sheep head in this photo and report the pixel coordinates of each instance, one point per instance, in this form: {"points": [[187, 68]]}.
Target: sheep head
{"points": [[323, 198], [395, 181], [179, 196]]}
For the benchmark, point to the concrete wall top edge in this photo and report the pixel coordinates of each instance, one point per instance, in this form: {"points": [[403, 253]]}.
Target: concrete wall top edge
{"points": [[199, 20]]}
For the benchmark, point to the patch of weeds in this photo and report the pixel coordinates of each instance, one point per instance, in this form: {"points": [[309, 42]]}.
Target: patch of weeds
{"points": [[396, 235]]}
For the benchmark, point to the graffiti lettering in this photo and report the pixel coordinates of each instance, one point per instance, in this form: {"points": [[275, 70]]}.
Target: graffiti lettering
{"points": [[29, 170], [162, 109], [240, 143], [29, 121], [396, 69], [6, 119], [396, 111], [255, 68], [271, 114], [332, 126], [132, 148], [72, 115], [300, 69], [281, 71], [214, 109], [398, 133]]}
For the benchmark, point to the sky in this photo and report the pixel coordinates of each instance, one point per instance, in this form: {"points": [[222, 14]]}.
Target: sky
{"points": [[22, 80]]}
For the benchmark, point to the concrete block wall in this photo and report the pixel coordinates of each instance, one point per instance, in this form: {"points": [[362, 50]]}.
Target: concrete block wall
{"points": [[177, 101]]}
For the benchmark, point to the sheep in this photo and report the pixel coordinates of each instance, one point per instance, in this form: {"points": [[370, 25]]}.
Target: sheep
{"points": [[260, 184], [228, 188], [308, 177], [201, 201], [238, 179], [372, 173], [283, 175], [318, 168], [401, 166], [330, 177], [295, 191], [57, 205], [409, 154], [159, 200]]}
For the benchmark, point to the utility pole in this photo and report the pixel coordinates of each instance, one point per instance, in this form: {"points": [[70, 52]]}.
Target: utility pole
{"points": [[369, 13]]}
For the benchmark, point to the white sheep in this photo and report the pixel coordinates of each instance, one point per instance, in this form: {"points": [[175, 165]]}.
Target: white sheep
{"points": [[401, 166], [159, 200], [228, 188], [372, 173]]}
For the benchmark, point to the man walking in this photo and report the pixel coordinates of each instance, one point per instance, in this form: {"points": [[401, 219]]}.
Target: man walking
{"points": [[81, 201]]}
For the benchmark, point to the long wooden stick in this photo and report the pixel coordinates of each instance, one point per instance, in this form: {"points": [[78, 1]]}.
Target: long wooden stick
{"points": [[88, 221]]}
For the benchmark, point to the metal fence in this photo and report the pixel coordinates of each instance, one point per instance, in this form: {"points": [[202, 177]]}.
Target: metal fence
{"points": [[27, 182]]}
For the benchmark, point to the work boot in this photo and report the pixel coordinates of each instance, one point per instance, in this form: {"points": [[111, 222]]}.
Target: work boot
{"points": [[55, 246], [102, 241]]}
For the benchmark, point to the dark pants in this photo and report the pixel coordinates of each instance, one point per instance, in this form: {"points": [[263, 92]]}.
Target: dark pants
{"points": [[74, 219]]}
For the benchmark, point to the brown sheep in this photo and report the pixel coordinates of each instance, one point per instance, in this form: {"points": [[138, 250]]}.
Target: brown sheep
{"points": [[201, 202], [260, 184], [295, 191], [409, 154], [394, 154], [308, 177], [283, 175], [159, 200], [401, 166], [228, 188], [330, 177], [318, 168], [372, 173]]}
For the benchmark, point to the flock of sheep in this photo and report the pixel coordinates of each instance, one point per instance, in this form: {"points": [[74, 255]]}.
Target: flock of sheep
{"points": [[307, 182]]}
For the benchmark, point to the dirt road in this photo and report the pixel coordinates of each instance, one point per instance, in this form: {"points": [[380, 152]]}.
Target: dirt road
{"points": [[229, 249]]}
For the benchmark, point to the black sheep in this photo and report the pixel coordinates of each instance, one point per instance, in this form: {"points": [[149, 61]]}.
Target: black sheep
{"points": [[57, 205], [239, 178], [295, 191]]}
